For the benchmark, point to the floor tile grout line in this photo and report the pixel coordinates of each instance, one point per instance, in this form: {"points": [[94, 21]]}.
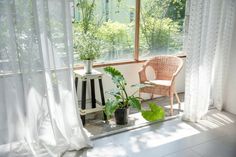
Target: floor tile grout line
{"points": [[182, 151], [196, 152]]}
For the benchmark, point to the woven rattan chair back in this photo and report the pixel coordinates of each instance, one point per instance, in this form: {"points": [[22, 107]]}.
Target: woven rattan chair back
{"points": [[166, 69]]}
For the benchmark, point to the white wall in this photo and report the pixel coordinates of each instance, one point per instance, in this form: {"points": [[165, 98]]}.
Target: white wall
{"points": [[130, 72], [230, 90]]}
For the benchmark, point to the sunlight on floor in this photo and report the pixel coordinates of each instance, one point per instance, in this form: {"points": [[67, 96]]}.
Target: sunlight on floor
{"points": [[146, 140], [161, 136], [157, 135], [214, 120]]}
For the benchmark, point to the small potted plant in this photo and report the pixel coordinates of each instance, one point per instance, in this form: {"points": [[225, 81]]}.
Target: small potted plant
{"points": [[122, 101], [88, 48]]}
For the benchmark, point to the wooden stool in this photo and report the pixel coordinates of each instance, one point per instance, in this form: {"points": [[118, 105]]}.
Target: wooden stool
{"points": [[96, 105]]}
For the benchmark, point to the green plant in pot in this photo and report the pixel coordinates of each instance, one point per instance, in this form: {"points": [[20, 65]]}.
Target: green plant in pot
{"points": [[88, 49], [87, 45], [122, 101]]}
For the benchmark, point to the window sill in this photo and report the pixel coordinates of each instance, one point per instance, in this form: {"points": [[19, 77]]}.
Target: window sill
{"points": [[97, 65]]}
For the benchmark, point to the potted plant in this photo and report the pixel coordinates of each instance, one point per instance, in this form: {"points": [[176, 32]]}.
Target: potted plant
{"points": [[87, 44], [88, 49], [122, 101]]}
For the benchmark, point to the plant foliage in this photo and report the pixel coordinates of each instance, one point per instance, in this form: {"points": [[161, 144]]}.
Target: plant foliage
{"points": [[159, 33], [87, 45], [161, 24], [115, 35], [155, 112]]}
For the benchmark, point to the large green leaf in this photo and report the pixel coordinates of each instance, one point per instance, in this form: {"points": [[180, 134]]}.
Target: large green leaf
{"points": [[114, 92], [118, 80], [135, 102], [111, 106], [116, 75], [154, 113], [113, 71]]}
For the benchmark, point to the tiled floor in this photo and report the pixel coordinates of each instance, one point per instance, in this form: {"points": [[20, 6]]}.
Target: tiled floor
{"points": [[213, 137]]}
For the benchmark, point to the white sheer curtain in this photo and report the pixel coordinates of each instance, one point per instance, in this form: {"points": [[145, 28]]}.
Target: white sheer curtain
{"points": [[207, 45], [38, 115]]}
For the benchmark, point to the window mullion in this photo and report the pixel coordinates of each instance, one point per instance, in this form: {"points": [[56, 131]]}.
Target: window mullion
{"points": [[137, 25]]}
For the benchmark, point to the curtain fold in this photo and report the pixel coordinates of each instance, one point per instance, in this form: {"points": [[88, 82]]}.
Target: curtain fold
{"points": [[207, 45], [38, 115]]}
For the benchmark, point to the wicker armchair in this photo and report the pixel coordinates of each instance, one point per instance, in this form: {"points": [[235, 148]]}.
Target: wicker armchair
{"points": [[166, 69]]}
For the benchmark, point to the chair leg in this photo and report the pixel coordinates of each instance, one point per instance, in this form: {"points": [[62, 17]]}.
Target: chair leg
{"points": [[171, 104], [151, 96], [177, 97]]}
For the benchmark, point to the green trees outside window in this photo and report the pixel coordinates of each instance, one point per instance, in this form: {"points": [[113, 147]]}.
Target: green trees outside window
{"points": [[161, 27], [111, 23]]}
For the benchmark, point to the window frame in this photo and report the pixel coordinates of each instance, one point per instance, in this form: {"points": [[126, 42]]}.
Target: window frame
{"points": [[136, 58]]}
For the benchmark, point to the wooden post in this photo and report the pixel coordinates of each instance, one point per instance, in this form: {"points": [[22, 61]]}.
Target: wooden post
{"points": [[137, 24]]}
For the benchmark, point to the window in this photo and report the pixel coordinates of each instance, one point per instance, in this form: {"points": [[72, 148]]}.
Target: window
{"points": [[131, 29], [161, 27], [112, 21]]}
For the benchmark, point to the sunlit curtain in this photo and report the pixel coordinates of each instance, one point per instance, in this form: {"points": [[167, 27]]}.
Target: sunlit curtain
{"points": [[207, 45], [38, 115]]}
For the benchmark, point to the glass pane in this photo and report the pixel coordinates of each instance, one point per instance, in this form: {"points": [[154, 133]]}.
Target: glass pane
{"points": [[109, 27], [161, 27]]}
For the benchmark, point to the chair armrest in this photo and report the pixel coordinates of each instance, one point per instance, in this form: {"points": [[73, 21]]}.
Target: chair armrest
{"points": [[142, 75], [142, 72]]}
